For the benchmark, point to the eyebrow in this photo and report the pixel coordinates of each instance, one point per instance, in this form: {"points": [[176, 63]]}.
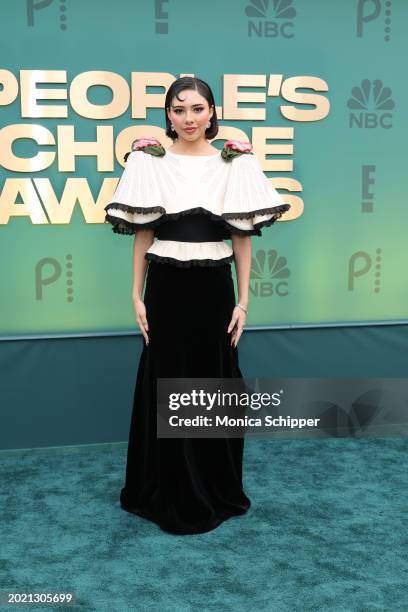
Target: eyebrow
{"points": [[181, 106]]}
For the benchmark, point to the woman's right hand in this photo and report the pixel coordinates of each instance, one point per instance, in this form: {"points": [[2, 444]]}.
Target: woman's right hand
{"points": [[140, 311]]}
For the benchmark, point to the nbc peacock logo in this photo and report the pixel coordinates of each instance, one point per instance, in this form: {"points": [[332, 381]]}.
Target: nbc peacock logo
{"points": [[370, 105], [270, 22], [269, 274]]}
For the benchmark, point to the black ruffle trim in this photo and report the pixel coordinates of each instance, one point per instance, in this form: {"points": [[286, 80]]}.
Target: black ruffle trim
{"points": [[190, 262], [133, 209], [122, 226], [253, 213]]}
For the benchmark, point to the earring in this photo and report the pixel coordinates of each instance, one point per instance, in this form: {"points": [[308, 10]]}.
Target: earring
{"points": [[209, 125], [172, 127]]}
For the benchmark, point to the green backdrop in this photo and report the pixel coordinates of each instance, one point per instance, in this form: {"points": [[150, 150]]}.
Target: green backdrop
{"points": [[343, 260]]}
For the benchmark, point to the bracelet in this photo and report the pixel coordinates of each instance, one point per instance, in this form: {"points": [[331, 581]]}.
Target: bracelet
{"points": [[242, 308]]}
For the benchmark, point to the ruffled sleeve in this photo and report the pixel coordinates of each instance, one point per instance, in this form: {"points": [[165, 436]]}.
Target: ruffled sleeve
{"points": [[251, 202], [137, 201]]}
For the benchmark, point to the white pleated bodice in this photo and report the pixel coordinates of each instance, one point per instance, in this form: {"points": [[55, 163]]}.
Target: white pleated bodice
{"points": [[235, 195]]}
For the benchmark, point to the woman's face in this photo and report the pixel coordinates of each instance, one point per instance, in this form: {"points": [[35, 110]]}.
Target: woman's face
{"points": [[192, 112]]}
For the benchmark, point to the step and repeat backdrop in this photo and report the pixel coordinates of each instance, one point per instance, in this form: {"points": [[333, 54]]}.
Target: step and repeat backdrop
{"points": [[316, 86]]}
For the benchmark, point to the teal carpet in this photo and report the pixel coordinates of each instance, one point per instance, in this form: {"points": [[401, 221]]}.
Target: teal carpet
{"points": [[327, 530]]}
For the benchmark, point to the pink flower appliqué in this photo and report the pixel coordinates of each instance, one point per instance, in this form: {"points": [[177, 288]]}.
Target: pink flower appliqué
{"points": [[141, 143], [235, 148], [239, 145]]}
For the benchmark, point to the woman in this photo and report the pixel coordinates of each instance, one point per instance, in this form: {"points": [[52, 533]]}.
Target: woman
{"points": [[189, 198]]}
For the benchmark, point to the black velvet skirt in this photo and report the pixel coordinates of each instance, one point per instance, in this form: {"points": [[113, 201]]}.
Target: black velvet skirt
{"points": [[185, 485]]}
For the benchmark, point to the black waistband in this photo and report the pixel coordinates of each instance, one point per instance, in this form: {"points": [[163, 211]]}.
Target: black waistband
{"points": [[191, 228]]}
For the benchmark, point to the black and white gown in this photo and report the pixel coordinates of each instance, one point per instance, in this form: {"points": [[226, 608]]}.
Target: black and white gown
{"points": [[187, 485]]}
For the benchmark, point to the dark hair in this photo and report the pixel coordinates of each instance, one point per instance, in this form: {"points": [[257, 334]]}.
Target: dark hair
{"points": [[204, 90]]}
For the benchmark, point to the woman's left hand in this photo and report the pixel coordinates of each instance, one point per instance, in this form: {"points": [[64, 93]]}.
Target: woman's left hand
{"points": [[236, 325]]}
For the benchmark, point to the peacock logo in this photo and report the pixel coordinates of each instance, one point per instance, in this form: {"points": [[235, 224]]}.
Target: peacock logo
{"points": [[282, 9], [269, 274], [370, 104], [270, 19]]}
